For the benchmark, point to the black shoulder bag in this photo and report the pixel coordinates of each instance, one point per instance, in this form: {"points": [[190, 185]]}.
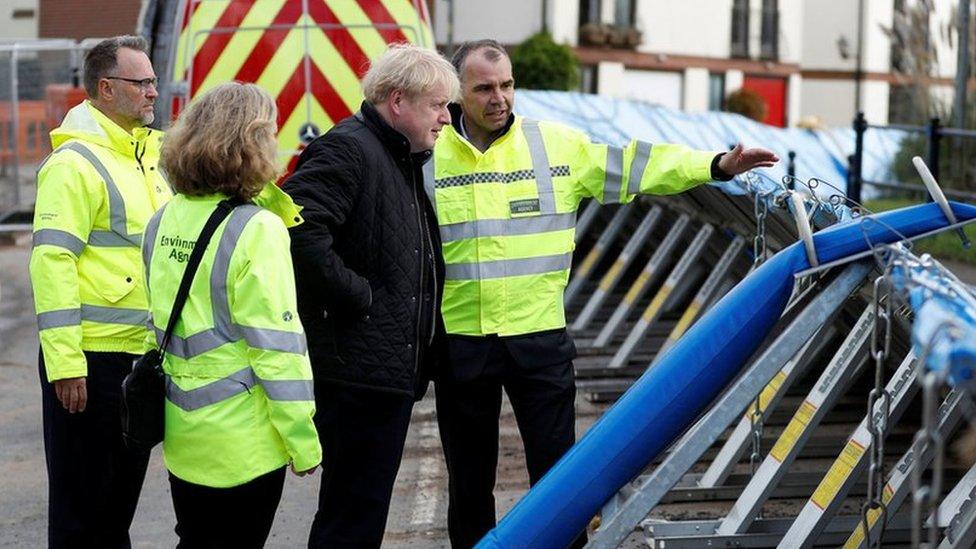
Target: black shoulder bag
{"points": [[144, 389]]}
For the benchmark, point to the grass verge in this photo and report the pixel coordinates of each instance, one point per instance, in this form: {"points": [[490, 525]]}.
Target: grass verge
{"points": [[941, 246]]}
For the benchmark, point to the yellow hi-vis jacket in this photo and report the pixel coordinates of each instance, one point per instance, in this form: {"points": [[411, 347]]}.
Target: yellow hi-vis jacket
{"points": [[508, 216], [239, 396], [95, 193]]}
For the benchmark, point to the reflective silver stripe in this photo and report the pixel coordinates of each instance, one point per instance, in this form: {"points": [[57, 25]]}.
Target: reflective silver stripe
{"points": [[642, 155], [540, 166], [429, 184], [507, 227], [149, 240], [116, 205], [288, 389], [196, 344], [225, 330], [508, 267], [208, 340], [63, 239], [221, 266], [239, 382], [113, 315], [110, 239], [58, 319], [614, 175], [274, 340]]}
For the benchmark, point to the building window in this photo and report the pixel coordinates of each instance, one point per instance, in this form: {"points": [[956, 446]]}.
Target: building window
{"points": [[624, 13], [588, 78], [716, 91], [740, 28], [769, 41], [589, 12]]}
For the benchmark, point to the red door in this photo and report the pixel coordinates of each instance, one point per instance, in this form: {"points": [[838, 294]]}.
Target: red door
{"points": [[773, 91]]}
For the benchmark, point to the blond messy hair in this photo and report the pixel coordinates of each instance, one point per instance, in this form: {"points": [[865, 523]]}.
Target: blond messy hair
{"points": [[224, 142], [410, 69]]}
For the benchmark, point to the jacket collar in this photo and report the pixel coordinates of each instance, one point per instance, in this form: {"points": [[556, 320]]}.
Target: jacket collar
{"points": [[394, 141], [456, 112], [85, 122]]}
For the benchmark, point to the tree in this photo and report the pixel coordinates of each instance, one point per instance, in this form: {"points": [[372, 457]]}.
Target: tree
{"points": [[914, 61], [540, 63], [748, 103]]}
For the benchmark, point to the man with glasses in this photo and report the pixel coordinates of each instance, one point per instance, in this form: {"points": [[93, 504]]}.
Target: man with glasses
{"points": [[95, 194]]}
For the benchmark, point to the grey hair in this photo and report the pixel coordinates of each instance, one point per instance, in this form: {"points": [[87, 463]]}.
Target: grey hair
{"points": [[411, 69], [103, 59], [493, 52]]}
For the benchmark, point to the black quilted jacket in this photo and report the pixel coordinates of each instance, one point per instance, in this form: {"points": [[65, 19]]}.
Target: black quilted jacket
{"points": [[367, 258]]}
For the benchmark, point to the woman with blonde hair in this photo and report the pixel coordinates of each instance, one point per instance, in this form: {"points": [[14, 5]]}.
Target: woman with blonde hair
{"points": [[239, 401]]}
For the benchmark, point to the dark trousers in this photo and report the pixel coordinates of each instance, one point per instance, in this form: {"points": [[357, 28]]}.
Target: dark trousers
{"points": [[93, 479], [467, 415], [362, 433], [238, 517]]}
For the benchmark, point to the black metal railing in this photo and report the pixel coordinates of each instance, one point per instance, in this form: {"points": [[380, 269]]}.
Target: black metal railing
{"points": [[934, 132]]}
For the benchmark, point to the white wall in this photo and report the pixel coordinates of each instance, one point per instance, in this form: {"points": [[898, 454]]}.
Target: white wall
{"points": [[830, 100], [610, 79], [20, 28], [695, 90], [685, 27], [824, 22], [794, 90], [833, 101], [564, 21], [660, 87], [792, 29], [733, 81], [508, 21]]}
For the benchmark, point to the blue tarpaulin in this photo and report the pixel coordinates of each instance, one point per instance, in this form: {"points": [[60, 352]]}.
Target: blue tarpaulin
{"points": [[819, 153]]}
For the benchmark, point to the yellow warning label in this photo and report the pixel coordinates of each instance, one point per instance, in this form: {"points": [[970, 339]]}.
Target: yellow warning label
{"points": [[685, 321], [857, 536], [793, 430], [637, 287], [611, 275], [771, 389], [838, 473], [655, 306], [588, 262]]}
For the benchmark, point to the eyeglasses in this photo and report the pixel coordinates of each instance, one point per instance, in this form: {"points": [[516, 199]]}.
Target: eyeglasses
{"points": [[144, 84]]}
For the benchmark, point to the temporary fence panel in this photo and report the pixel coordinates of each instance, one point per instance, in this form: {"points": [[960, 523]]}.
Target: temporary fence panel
{"points": [[652, 312], [39, 82], [653, 270], [610, 279], [583, 271]]}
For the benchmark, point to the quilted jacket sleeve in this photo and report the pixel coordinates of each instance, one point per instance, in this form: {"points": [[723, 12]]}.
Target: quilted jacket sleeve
{"points": [[326, 185]]}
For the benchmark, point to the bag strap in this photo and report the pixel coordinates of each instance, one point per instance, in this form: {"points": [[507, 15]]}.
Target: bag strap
{"points": [[224, 208]]}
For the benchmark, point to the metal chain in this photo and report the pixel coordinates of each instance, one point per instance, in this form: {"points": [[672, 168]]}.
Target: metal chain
{"points": [[759, 252], [925, 496], [879, 407]]}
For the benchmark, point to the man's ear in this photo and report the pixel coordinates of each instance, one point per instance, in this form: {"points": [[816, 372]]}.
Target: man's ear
{"points": [[395, 101], [105, 90]]}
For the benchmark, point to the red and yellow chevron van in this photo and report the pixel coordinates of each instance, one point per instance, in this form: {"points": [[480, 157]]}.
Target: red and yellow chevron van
{"points": [[308, 54]]}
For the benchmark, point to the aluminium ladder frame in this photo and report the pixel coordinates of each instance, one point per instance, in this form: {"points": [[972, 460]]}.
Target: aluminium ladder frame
{"points": [[649, 274], [728, 407]]}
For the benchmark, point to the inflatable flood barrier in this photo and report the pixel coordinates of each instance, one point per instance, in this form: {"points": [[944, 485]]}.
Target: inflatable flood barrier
{"points": [[667, 398]]}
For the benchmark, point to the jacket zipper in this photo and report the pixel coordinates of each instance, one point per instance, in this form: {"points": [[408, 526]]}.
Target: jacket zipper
{"points": [[420, 296]]}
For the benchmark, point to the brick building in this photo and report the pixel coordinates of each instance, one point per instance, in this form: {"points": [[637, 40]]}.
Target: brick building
{"points": [[80, 19]]}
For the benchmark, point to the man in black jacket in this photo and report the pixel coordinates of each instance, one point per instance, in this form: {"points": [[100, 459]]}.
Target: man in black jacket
{"points": [[369, 273]]}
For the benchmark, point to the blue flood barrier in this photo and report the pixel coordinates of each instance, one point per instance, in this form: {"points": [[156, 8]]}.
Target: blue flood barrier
{"points": [[664, 401]]}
